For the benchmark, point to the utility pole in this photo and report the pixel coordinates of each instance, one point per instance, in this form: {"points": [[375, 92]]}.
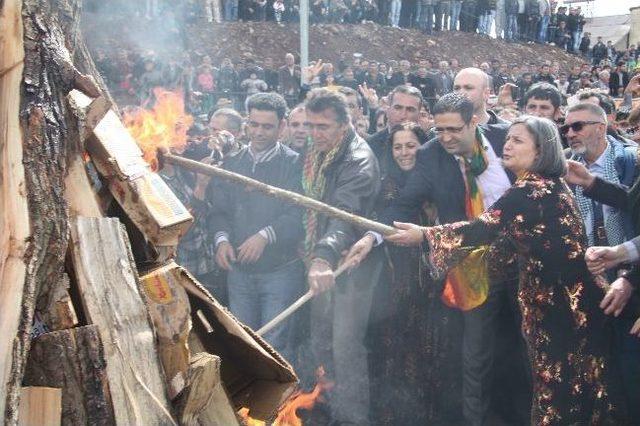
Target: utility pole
{"points": [[304, 37]]}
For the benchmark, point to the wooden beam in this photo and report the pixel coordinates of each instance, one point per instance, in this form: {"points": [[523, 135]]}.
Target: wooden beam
{"points": [[40, 406], [14, 213], [109, 289], [205, 401], [73, 360]]}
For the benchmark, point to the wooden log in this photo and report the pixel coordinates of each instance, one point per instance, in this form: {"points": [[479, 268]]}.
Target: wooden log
{"points": [[74, 361], [40, 406], [171, 315], [205, 401], [109, 290], [282, 194]]}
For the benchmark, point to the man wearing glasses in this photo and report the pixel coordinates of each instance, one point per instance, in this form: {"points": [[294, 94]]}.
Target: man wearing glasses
{"points": [[610, 160], [460, 172]]}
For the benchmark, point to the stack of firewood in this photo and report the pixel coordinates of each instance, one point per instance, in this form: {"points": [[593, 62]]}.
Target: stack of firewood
{"points": [[98, 324]]}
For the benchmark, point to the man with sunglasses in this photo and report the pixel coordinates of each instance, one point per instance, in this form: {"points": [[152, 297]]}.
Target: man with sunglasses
{"points": [[611, 161]]}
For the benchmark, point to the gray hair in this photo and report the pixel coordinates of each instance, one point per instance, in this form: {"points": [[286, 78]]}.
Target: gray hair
{"points": [[550, 162], [233, 117], [592, 109]]}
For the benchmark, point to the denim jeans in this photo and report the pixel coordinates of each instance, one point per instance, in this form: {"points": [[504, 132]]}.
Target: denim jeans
{"points": [[426, 18], [485, 22], [454, 14], [576, 37], [511, 31], [256, 298], [394, 13], [230, 10], [543, 25]]}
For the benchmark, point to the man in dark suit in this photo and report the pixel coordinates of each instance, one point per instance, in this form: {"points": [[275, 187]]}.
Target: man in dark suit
{"points": [[618, 80], [438, 178], [289, 80]]}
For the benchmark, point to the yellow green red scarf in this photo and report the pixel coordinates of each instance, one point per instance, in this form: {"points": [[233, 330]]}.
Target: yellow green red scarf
{"points": [[467, 284]]}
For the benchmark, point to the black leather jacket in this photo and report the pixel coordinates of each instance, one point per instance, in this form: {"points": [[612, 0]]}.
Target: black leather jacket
{"points": [[353, 183]]}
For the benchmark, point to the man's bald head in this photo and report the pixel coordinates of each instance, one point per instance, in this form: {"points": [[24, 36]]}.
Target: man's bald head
{"points": [[474, 84]]}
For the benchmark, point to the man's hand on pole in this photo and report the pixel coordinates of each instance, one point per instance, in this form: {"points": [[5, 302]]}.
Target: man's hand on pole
{"points": [[320, 277], [359, 251]]}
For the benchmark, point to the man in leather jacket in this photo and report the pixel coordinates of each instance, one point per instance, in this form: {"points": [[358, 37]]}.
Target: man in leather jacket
{"points": [[340, 170]]}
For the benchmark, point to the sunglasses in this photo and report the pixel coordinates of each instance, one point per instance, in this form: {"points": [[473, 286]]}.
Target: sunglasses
{"points": [[576, 126]]}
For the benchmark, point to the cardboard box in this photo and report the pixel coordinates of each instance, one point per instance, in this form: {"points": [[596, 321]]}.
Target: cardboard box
{"points": [[254, 374], [171, 316]]}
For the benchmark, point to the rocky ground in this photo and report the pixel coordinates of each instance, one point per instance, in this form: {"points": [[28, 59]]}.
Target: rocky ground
{"points": [[239, 40]]}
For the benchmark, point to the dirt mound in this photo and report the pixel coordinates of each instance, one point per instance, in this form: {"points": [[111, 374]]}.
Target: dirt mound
{"points": [[239, 40]]}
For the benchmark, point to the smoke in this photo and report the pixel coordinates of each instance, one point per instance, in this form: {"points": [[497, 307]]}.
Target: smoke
{"points": [[152, 28]]}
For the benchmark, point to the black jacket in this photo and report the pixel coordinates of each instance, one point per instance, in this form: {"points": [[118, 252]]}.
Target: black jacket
{"points": [[437, 178], [242, 212], [352, 184]]}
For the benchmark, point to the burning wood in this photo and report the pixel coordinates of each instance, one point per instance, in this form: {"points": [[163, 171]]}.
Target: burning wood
{"points": [[162, 127], [144, 196], [287, 415]]}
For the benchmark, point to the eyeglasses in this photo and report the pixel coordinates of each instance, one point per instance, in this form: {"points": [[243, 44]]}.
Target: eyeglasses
{"points": [[576, 126], [454, 130]]}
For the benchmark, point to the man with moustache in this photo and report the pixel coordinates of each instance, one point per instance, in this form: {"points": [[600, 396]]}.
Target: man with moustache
{"points": [[543, 100], [611, 161], [340, 170]]}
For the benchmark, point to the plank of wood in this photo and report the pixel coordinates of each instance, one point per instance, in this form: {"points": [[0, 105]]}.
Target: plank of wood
{"points": [[40, 406], [109, 289], [73, 360], [14, 213], [205, 400]]}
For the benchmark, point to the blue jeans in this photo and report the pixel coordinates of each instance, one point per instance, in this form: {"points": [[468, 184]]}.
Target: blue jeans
{"points": [[426, 18], [485, 22], [454, 12], [394, 14], [256, 298], [511, 31], [576, 36], [230, 10], [544, 25]]}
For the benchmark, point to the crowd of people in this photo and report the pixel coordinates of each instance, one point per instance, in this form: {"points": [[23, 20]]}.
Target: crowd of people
{"points": [[540, 21], [503, 294], [506, 293], [131, 76]]}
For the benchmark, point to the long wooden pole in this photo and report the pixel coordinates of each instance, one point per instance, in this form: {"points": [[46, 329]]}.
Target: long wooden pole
{"points": [[296, 305], [288, 196]]}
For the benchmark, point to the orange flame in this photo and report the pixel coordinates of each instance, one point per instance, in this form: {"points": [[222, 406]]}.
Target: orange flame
{"points": [[163, 126], [287, 416]]}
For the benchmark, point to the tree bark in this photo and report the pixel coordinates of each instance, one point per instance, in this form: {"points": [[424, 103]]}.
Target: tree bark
{"points": [[73, 360]]}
